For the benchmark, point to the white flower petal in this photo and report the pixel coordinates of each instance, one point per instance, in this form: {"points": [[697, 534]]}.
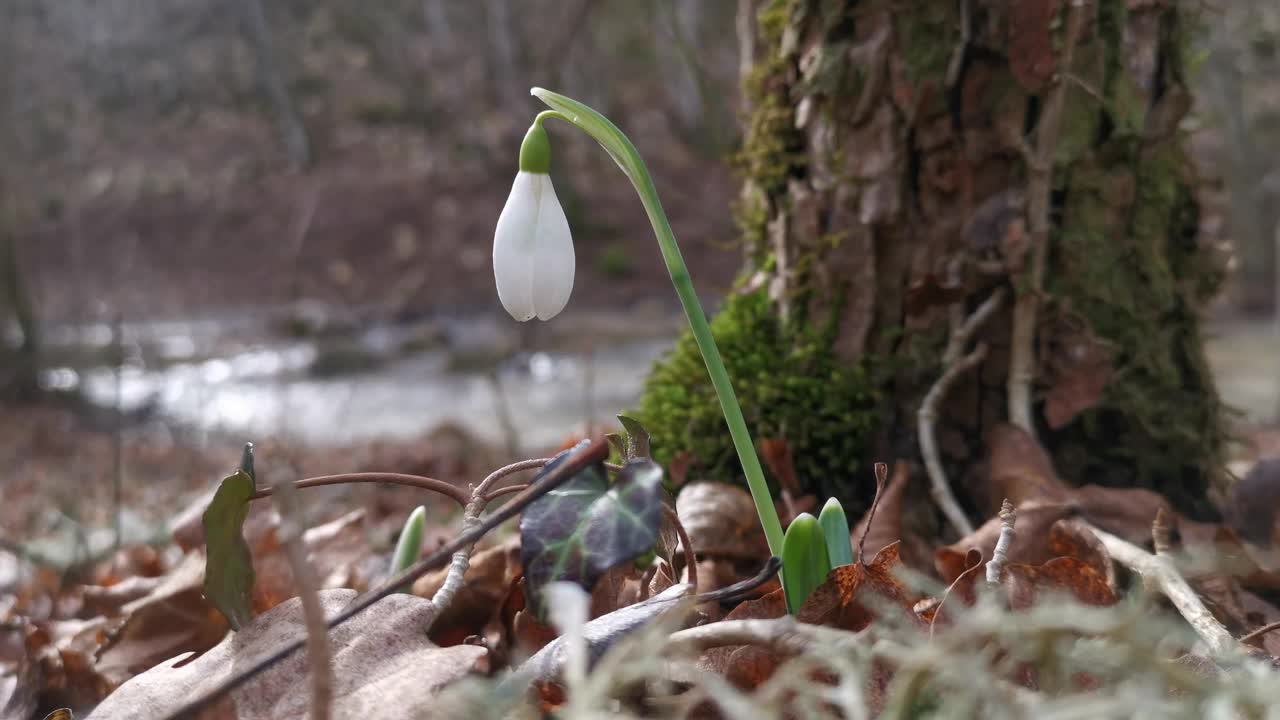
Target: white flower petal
{"points": [[553, 258], [513, 246]]}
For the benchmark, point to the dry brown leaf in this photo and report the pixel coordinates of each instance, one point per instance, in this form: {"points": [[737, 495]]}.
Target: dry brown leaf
{"points": [[720, 519], [485, 585], [961, 590], [65, 650], [172, 620], [723, 528], [19, 675], [379, 654], [1020, 470], [842, 600], [1025, 584], [1072, 537], [776, 454], [527, 634], [108, 600], [1079, 370], [747, 666], [617, 588], [337, 550], [1030, 544]]}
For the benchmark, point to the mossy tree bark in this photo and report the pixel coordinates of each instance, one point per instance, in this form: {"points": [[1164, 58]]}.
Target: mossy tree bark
{"points": [[903, 161]]}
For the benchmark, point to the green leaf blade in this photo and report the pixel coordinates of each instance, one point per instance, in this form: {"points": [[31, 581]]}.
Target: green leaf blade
{"points": [[804, 560], [835, 528], [409, 546], [228, 573]]}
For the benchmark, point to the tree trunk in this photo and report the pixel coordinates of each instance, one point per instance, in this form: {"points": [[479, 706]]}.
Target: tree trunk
{"points": [[19, 366], [905, 162], [293, 134]]}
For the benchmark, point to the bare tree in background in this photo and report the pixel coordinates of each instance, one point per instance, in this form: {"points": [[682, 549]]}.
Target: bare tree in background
{"points": [[19, 377], [270, 77], [1238, 82]]}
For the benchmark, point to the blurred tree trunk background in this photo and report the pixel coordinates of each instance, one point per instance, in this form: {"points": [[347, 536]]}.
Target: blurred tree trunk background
{"points": [[19, 361], [907, 164]]}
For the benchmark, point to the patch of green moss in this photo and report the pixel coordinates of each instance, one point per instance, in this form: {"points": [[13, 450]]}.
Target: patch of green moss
{"points": [[790, 385], [1141, 295], [772, 148], [927, 33]]}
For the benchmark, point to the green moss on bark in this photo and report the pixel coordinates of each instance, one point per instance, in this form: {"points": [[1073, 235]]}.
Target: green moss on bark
{"points": [[1159, 426], [790, 385]]}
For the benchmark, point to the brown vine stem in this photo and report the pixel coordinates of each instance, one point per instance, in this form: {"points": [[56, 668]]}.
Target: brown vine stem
{"points": [[1022, 352], [449, 490], [597, 451], [461, 561]]}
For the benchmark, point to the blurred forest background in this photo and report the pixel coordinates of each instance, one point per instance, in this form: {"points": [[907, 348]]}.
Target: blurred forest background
{"points": [[261, 220]]}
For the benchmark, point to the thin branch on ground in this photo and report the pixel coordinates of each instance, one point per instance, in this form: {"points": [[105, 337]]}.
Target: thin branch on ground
{"points": [[319, 654], [1158, 572], [1255, 634], [1008, 520], [785, 634], [449, 490], [954, 365], [1022, 351], [597, 451]]}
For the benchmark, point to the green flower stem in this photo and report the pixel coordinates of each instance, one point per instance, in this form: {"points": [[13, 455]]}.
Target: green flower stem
{"points": [[625, 154]]}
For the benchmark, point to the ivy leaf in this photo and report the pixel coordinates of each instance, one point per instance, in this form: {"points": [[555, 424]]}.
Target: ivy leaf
{"points": [[228, 570], [581, 529], [637, 438]]}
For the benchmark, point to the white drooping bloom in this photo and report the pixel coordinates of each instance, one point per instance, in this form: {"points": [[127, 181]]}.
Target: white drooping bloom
{"points": [[533, 261]]}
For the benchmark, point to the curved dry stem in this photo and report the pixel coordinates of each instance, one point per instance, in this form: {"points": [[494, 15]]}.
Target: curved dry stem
{"points": [[449, 490], [690, 557], [502, 472]]}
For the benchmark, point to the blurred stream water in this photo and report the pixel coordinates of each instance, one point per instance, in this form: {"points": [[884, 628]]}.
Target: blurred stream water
{"points": [[193, 376]]}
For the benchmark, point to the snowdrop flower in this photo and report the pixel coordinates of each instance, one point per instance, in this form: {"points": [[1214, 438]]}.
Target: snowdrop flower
{"points": [[533, 260]]}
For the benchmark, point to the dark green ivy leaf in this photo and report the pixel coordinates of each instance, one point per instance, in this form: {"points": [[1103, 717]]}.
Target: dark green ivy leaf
{"points": [[637, 438], [581, 529], [228, 569]]}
